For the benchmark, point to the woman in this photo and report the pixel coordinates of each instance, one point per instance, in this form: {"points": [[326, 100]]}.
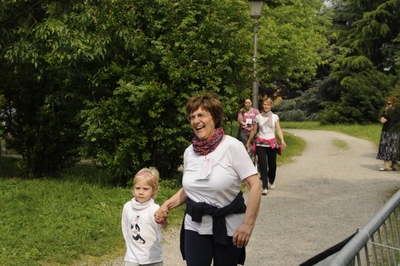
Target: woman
{"points": [[389, 140], [266, 145], [217, 224], [245, 119]]}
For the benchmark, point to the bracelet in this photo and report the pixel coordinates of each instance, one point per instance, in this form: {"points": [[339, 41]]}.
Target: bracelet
{"points": [[249, 224]]}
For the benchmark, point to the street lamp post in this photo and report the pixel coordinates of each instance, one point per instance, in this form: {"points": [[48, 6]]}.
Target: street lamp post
{"points": [[255, 12]]}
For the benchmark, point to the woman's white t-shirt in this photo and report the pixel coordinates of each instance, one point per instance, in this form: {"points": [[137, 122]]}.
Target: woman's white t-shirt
{"points": [[265, 130], [215, 179]]}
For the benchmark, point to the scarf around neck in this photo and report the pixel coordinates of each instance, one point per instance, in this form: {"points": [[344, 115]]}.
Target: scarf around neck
{"points": [[204, 147], [268, 115]]}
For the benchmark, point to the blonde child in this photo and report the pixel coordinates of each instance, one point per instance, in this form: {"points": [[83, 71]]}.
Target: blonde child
{"points": [[142, 234]]}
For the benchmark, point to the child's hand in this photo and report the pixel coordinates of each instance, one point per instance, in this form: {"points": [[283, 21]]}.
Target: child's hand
{"points": [[160, 216], [159, 220]]}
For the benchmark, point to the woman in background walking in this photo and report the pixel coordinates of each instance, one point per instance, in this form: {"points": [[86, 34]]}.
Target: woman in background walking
{"points": [[266, 144], [245, 119]]}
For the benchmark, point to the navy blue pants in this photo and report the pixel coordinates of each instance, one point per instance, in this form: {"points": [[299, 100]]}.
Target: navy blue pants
{"points": [[200, 250]]}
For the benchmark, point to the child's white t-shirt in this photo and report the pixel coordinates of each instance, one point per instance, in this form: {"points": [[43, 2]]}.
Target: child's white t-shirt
{"points": [[141, 232]]}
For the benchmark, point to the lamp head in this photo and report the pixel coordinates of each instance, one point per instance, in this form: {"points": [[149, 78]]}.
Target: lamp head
{"points": [[255, 8]]}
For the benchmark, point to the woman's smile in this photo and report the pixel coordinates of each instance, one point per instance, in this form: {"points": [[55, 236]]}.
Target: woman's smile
{"points": [[202, 123]]}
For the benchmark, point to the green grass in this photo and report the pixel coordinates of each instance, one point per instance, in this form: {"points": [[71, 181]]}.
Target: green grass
{"points": [[77, 218], [56, 222], [369, 132], [296, 145], [340, 144]]}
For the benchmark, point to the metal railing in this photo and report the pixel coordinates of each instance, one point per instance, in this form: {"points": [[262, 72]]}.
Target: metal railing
{"points": [[378, 243]]}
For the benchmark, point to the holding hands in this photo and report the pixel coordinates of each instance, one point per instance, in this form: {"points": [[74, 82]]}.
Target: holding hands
{"points": [[161, 214]]}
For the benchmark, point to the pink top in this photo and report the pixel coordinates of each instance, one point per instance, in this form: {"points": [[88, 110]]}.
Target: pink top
{"points": [[248, 117]]}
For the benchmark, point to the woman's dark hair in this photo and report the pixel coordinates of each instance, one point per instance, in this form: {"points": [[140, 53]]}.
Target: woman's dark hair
{"points": [[210, 103]]}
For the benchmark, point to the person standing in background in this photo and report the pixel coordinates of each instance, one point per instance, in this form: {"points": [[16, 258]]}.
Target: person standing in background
{"points": [[388, 140], [246, 118]]}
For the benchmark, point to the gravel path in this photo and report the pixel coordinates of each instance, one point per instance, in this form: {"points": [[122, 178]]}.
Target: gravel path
{"points": [[320, 199]]}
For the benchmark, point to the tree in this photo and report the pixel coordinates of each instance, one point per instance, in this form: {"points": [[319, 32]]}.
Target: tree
{"points": [[182, 48], [129, 66], [52, 54], [291, 38], [366, 70], [118, 74]]}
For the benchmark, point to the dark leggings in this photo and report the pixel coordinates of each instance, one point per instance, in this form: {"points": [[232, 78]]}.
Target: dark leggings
{"points": [[266, 155], [201, 249]]}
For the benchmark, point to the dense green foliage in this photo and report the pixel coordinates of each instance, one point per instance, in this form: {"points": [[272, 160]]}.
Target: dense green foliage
{"points": [[130, 67], [115, 75], [109, 79], [359, 68], [192, 47], [365, 38], [291, 38], [302, 108], [44, 131]]}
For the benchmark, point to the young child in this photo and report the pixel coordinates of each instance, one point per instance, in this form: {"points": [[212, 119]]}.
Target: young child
{"points": [[142, 234]]}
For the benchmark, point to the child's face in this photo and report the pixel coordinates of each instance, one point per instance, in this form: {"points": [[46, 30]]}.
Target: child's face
{"points": [[142, 191]]}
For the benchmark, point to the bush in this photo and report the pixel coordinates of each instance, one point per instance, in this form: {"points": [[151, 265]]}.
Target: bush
{"points": [[303, 108], [292, 115]]}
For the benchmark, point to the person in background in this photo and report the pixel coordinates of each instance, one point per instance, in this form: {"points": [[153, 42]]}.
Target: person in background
{"points": [[388, 142], [217, 223], [246, 118], [141, 232], [266, 145]]}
